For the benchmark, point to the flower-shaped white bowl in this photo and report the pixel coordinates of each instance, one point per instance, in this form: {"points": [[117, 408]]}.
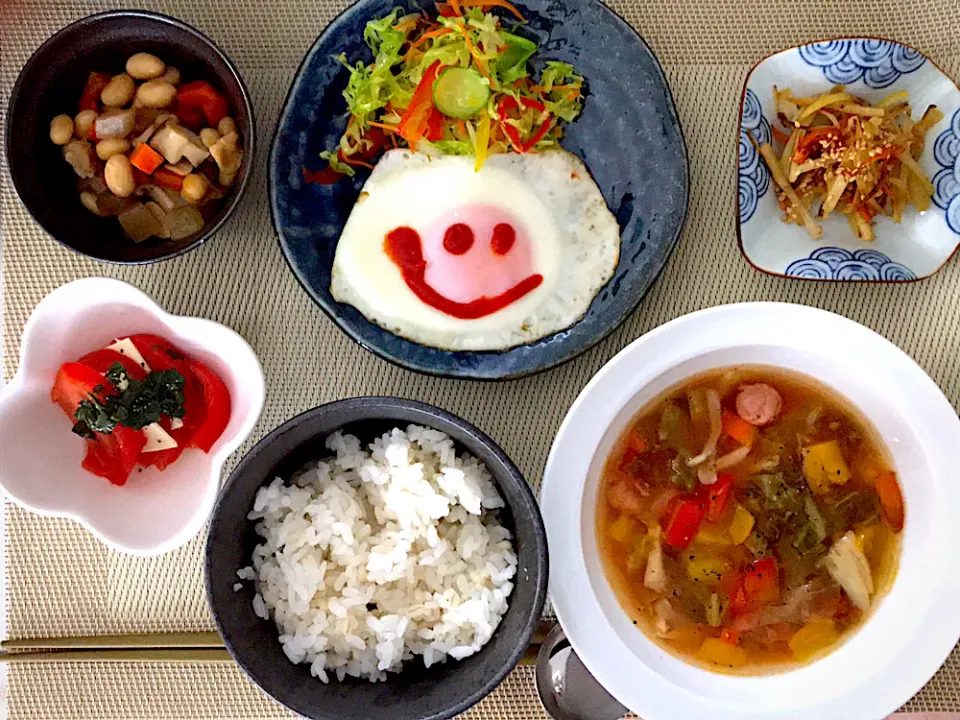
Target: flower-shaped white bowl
{"points": [[911, 250], [912, 628], [40, 457]]}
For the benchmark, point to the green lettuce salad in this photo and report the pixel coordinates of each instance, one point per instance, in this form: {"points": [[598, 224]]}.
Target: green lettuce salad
{"points": [[458, 85]]}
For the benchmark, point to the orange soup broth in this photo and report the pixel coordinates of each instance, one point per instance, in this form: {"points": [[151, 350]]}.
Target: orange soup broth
{"points": [[624, 537]]}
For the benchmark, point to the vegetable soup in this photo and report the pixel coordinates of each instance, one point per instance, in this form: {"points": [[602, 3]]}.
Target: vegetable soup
{"points": [[748, 519]]}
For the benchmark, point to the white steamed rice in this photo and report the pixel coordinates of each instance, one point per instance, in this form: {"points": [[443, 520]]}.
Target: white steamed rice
{"points": [[377, 555]]}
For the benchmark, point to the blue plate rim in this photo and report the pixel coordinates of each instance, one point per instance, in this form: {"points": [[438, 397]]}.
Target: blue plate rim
{"points": [[564, 357]]}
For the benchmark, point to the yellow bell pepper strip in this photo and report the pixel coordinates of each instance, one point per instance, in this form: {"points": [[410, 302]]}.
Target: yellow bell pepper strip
{"points": [[482, 142], [741, 525], [717, 652], [813, 637], [824, 466]]}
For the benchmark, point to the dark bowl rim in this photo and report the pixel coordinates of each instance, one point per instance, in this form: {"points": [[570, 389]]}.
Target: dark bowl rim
{"points": [[330, 309], [247, 108], [386, 405]]}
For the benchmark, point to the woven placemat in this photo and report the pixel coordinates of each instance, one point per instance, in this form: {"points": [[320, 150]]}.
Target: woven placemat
{"points": [[62, 582]]}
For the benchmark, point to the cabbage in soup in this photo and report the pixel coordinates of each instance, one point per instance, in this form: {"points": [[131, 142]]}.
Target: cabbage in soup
{"points": [[748, 519]]}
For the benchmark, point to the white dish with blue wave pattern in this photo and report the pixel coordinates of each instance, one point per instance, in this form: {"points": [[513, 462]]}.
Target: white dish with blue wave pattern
{"points": [[911, 250]]}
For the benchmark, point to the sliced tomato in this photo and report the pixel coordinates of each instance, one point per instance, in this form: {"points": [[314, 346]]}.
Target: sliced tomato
{"points": [[75, 382], [103, 360], [159, 353], [193, 418], [114, 456], [162, 459], [216, 403]]}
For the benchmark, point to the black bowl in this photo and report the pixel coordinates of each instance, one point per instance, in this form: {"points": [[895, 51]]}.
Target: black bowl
{"points": [[51, 83], [417, 693]]}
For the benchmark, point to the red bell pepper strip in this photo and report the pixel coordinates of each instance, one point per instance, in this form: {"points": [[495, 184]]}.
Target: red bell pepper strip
{"points": [[683, 521], [730, 636], [758, 587], [202, 96], [415, 120], [96, 82], [508, 103], [716, 496], [371, 144]]}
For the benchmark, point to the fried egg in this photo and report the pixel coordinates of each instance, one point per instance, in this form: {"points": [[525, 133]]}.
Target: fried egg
{"points": [[459, 259]]}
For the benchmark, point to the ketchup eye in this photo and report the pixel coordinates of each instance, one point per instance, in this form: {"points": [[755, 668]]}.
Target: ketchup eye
{"points": [[504, 236], [458, 239]]}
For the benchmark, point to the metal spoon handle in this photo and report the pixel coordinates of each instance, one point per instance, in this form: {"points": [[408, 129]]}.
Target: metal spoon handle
{"points": [[566, 688]]}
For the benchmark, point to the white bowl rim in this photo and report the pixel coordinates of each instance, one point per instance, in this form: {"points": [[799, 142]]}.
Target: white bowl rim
{"points": [[605, 652], [122, 292]]}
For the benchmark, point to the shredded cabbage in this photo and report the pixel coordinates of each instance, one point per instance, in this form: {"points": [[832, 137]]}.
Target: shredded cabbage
{"points": [[404, 47]]}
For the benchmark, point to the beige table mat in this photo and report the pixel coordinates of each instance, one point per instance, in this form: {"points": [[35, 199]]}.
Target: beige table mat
{"points": [[62, 582]]}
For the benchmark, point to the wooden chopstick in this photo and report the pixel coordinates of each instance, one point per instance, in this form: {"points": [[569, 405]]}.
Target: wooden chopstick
{"points": [[156, 647], [109, 642], [202, 655]]}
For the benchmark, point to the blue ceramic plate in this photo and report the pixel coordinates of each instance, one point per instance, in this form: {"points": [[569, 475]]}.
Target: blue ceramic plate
{"points": [[628, 136]]}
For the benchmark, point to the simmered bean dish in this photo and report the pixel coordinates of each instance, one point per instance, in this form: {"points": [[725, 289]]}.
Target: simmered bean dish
{"points": [[748, 519], [154, 152]]}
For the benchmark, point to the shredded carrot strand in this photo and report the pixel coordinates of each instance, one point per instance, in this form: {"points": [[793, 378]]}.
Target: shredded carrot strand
{"points": [[455, 6], [462, 129], [568, 86], [382, 126], [487, 3], [481, 65], [431, 34]]}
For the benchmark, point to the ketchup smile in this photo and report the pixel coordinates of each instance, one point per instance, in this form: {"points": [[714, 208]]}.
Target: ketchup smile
{"points": [[405, 248]]}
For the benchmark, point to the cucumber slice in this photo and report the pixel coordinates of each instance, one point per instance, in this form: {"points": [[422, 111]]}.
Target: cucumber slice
{"points": [[460, 93]]}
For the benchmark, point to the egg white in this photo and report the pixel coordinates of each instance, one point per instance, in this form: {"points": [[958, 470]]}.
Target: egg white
{"points": [[575, 243]]}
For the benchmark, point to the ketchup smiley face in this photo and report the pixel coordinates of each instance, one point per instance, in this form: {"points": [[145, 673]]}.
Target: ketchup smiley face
{"points": [[475, 261]]}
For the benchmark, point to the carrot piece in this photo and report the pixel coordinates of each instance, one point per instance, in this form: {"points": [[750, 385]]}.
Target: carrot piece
{"points": [[780, 135], [382, 126], [739, 429], [168, 179], [891, 500], [439, 32], [145, 158], [481, 65], [455, 7], [491, 3]]}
